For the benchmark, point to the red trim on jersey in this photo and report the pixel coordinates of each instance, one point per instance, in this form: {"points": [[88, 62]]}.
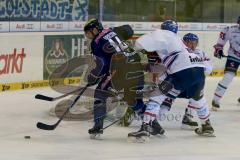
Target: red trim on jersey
{"points": [[218, 95], [205, 117], [150, 114], [193, 107]]}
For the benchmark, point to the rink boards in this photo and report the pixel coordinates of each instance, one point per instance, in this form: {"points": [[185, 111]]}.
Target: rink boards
{"points": [[28, 59]]}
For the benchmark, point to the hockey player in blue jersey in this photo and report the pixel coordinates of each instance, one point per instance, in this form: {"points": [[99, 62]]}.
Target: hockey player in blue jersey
{"points": [[105, 43]]}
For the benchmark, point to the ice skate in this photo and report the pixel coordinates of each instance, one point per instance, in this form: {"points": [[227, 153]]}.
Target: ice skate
{"points": [[96, 131], [156, 128], [215, 105], [205, 130], [188, 123], [140, 136]]}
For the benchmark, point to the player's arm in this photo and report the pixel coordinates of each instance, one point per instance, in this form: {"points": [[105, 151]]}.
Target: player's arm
{"points": [[208, 63], [222, 39], [125, 32], [96, 71]]}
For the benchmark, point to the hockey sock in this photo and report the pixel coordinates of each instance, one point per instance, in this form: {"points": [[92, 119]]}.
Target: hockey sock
{"points": [[222, 86]]}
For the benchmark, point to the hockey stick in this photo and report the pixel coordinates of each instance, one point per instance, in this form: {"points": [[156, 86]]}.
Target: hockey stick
{"points": [[47, 98], [44, 126], [138, 92], [111, 124]]}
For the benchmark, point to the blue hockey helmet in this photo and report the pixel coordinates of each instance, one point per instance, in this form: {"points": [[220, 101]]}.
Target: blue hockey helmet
{"points": [[93, 23], [190, 37], [170, 25]]}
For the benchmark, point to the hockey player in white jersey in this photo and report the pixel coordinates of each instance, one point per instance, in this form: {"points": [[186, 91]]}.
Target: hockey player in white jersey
{"points": [[231, 34], [185, 71], [191, 42]]}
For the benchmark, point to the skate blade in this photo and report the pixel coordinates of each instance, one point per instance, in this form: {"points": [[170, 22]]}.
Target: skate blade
{"points": [[206, 134], [187, 127], [142, 139], [96, 137], [160, 135]]}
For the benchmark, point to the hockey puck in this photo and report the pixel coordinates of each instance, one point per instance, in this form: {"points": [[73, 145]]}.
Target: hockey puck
{"points": [[27, 137]]}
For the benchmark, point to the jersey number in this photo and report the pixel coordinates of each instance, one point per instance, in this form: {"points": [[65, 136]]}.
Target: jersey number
{"points": [[115, 45]]}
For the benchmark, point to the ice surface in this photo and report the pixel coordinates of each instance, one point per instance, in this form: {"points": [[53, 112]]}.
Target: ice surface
{"points": [[70, 141]]}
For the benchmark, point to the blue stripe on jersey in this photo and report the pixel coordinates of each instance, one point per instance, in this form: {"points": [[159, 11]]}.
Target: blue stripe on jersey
{"points": [[171, 62], [170, 55]]}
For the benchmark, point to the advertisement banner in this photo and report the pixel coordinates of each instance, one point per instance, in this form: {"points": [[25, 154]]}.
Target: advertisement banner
{"points": [[20, 58], [43, 10], [35, 84], [4, 26], [215, 26], [190, 26], [76, 26], [58, 49], [54, 26], [24, 26]]}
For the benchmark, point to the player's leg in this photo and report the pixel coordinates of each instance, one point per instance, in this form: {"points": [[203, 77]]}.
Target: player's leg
{"points": [[150, 124], [203, 113], [187, 121], [229, 73], [133, 100], [153, 110], [99, 108], [199, 103], [192, 81], [221, 88], [197, 100]]}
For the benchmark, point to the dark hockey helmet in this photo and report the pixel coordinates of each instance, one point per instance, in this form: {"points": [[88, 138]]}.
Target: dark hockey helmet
{"points": [[190, 37], [170, 25], [93, 23]]}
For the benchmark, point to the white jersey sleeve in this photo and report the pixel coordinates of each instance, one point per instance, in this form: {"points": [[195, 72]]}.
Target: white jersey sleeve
{"points": [[149, 43], [231, 34], [206, 60], [170, 49], [223, 36]]}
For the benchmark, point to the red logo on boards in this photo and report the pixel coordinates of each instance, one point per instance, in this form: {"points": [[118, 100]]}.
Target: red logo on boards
{"points": [[12, 63]]}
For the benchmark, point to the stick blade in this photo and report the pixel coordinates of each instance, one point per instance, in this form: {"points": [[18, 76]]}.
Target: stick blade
{"points": [[42, 97], [44, 126]]}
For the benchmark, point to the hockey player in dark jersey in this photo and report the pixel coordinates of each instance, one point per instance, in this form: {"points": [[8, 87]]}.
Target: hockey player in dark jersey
{"points": [[105, 43]]}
